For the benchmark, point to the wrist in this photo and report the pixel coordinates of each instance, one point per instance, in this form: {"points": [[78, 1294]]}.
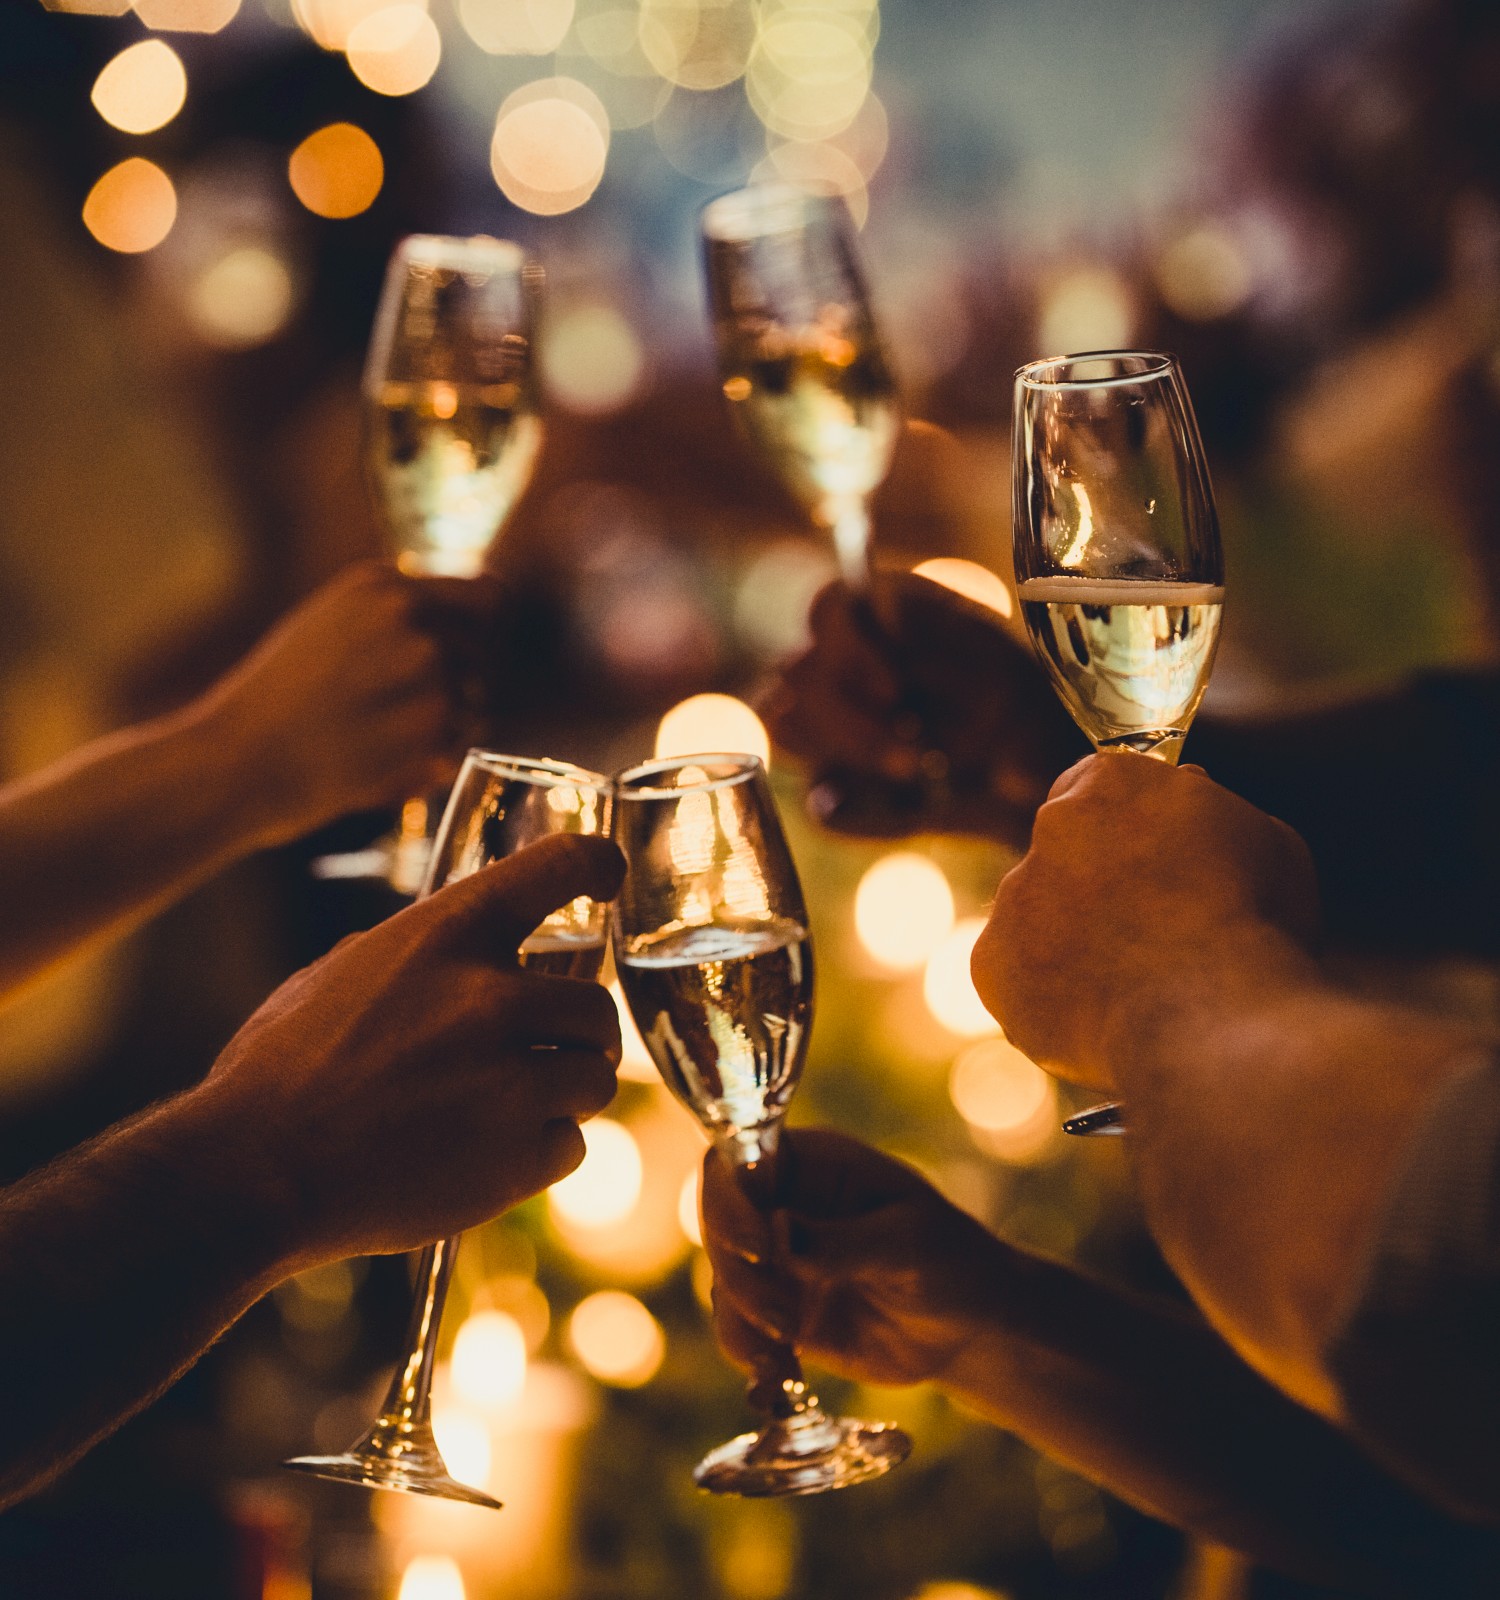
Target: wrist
{"points": [[242, 762]]}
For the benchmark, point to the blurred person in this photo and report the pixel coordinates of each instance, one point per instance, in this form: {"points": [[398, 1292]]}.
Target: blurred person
{"points": [[412, 1083], [353, 701]]}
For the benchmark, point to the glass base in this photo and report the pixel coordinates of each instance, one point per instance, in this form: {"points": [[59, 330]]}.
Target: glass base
{"points": [[806, 1454], [413, 1475]]}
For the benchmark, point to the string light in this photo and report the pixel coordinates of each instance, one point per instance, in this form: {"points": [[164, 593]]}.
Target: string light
{"points": [[707, 723], [903, 910], [593, 360], [1203, 274], [617, 1339], [697, 44], [1089, 308], [187, 16], [432, 1578], [488, 1366], [604, 1188], [242, 299], [395, 50], [132, 207], [516, 27], [142, 88], [969, 579], [550, 146], [949, 990], [337, 171]]}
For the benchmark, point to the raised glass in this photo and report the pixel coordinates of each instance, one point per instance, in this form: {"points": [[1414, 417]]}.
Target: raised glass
{"points": [[1118, 564], [713, 954], [800, 357], [452, 431], [500, 804]]}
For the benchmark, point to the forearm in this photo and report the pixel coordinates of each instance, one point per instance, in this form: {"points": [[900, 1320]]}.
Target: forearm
{"points": [[119, 1264], [1145, 1400], [1269, 1121], [120, 829]]}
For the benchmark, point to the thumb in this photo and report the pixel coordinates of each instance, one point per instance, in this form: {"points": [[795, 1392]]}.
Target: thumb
{"points": [[504, 902]]}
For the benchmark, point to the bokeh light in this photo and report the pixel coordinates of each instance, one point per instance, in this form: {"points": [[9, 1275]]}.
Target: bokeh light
{"points": [[616, 1338], [142, 88], [1009, 1103], [903, 910], [88, 8], [687, 1206], [187, 16], [809, 73], [592, 359], [821, 166], [706, 724], [776, 593], [949, 990], [132, 207], [488, 1365], [1088, 308], [636, 1065], [550, 146], [463, 1441], [969, 579], [337, 171], [330, 22], [605, 1187], [697, 44], [1204, 274], [242, 299], [432, 1578], [395, 50], [516, 27]]}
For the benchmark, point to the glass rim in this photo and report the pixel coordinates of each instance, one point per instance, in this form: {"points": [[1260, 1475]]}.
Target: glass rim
{"points": [[1158, 364], [460, 252], [540, 770], [738, 215], [746, 766]]}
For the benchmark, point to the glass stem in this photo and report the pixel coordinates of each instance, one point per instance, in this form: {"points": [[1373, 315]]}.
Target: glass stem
{"points": [[778, 1390], [406, 1417], [851, 544]]}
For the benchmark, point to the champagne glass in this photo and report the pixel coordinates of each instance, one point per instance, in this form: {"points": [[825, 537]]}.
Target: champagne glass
{"points": [[714, 957], [500, 804], [451, 437], [1118, 565], [800, 357]]}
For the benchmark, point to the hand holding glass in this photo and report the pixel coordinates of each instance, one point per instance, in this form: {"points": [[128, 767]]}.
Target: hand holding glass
{"points": [[1118, 564], [500, 804], [713, 954]]}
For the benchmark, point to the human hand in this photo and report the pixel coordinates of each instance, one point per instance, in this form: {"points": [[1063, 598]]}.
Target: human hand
{"points": [[356, 699], [1149, 894], [864, 1266], [910, 684], [415, 1081]]}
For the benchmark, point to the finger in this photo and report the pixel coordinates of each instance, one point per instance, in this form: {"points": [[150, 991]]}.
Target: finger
{"points": [[826, 1174], [541, 1009], [744, 1344], [731, 1223], [764, 1296], [504, 902], [573, 1083], [1073, 776], [438, 601], [559, 1150]]}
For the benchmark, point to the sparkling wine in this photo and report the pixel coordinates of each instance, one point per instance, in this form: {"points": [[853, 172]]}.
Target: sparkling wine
{"points": [[725, 1013], [562, 954], [449, 462], [1129, 657], [824, 415]]}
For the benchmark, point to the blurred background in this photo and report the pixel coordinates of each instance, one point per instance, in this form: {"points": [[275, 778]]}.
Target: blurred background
{"points": [[198, 200]]}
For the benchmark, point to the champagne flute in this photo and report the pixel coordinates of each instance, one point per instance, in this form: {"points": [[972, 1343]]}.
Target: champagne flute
{"points": [[800, 357], [452, 434], [500, 804], [714, 957], [1118, 564]]}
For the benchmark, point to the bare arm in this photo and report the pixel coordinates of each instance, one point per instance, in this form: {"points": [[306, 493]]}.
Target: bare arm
{"points": [[411, 1084], [889, 1283], [343, 706], [1272, 1116]]}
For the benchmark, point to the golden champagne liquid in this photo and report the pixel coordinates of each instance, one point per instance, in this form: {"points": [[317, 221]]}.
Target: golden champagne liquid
{"points": [[449, 462], [564, 955], [824, 416], [1129, 657], [724, 1012]]}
